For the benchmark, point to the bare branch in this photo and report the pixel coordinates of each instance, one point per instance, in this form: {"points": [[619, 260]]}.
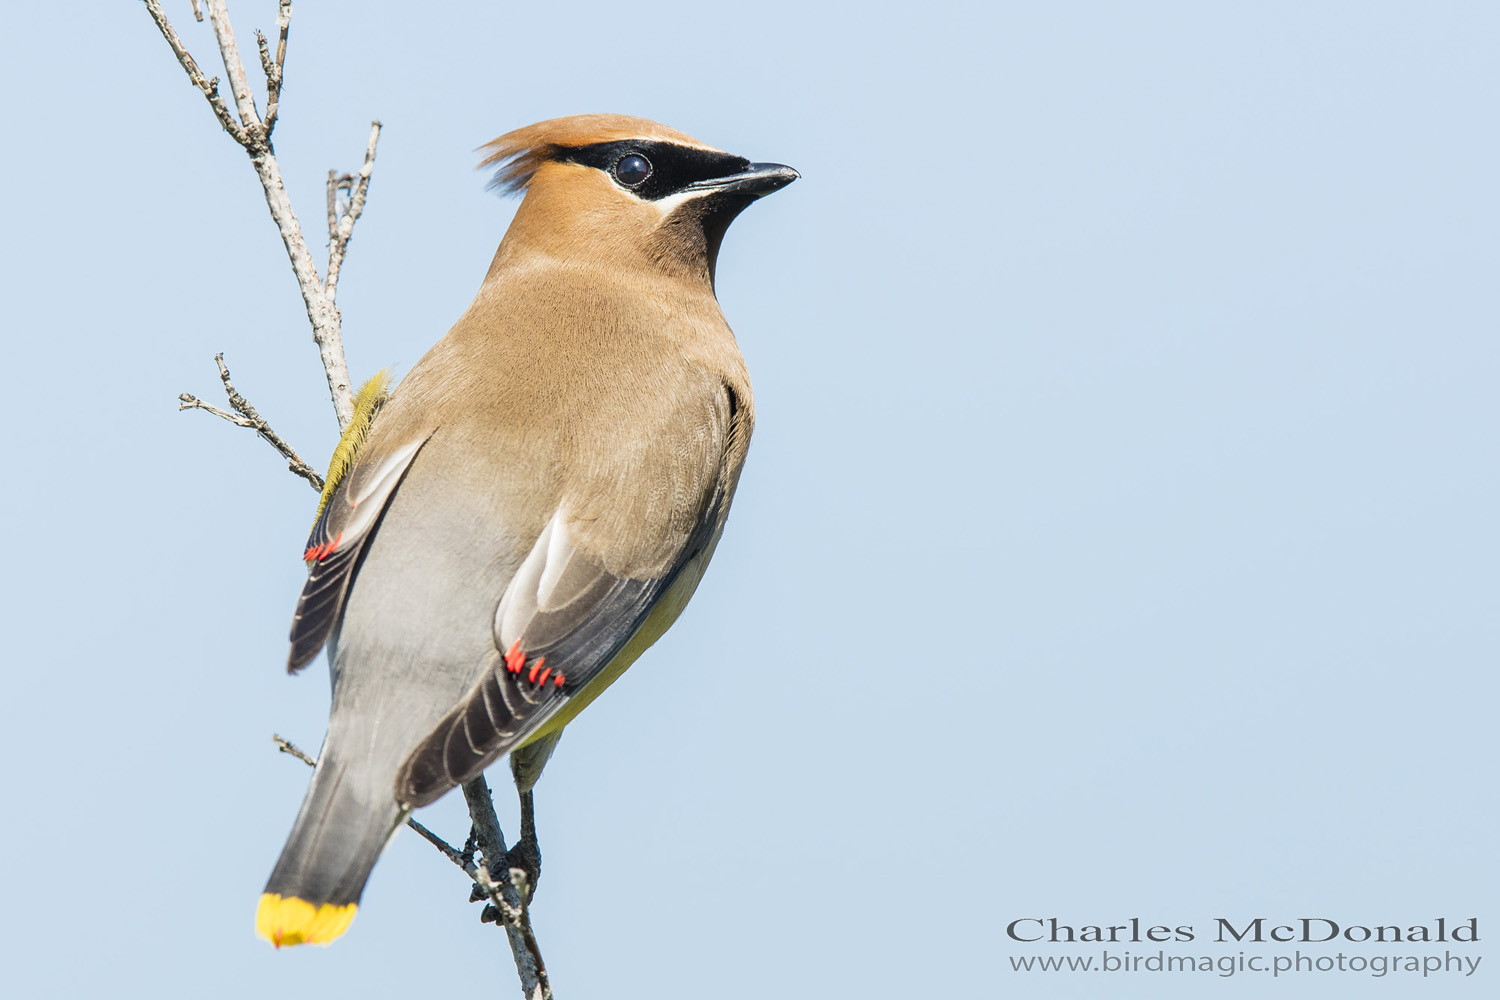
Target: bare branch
{"points": [[335, 181], [187, 401], [245, 415], [321, 311], [283, 25], [265, 59], [446, 848], [210, 88], [253, 135], [506, 894], [339, 235], [273, 70], [287, 746], [239, 86], [242, 406], [197, 11]]}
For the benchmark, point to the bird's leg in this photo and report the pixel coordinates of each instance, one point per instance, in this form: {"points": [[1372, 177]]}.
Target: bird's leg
{"points": [[526, 764], [526, 854]]}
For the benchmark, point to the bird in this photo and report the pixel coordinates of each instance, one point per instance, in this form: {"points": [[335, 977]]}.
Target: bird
{"points": [[503, 533]]}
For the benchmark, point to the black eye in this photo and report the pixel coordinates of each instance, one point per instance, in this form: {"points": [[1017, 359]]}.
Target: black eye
{"points": [[632, 169]]}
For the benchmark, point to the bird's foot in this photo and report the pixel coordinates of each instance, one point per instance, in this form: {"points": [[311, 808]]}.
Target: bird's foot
{"points": [[526, 860]]}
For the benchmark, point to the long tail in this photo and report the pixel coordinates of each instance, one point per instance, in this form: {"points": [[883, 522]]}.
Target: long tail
{"points": [[343, 826]]}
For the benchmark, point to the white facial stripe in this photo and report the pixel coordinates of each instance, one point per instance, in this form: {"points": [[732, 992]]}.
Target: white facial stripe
{"points": [[672, 202]]}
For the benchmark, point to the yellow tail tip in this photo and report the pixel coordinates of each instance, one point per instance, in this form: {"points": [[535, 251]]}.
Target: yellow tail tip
{"points": [[287, 920]]}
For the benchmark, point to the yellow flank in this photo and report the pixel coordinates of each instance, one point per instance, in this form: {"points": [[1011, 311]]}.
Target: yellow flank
{"points": [[367, 402], [289, 920]]}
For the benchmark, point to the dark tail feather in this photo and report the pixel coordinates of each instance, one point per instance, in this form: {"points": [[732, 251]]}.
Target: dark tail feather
{"points": [[315, 888]]}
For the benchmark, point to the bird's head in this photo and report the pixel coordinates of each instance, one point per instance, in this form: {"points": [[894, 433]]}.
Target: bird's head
{"points": [[625, 193]]}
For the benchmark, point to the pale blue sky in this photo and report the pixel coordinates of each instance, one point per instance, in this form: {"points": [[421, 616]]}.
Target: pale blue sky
{"points": [[1118, 538]]}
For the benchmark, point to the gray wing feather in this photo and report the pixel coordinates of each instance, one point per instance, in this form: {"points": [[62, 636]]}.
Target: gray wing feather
{"points": [[333, 549]]}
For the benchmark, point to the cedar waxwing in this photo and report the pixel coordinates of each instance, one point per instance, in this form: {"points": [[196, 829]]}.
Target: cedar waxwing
{"points": [[502, 535]]}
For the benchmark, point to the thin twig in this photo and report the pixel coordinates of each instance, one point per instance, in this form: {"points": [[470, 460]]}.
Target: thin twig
{"points": [[239, 84], [339, 235], [335, 180], [242, 406], [209, 87], [321, 311], [287, 746], [274, 68], [187, 401], [506, 893], [245, 415], [269, 69], [448, 850], [251, 132]]}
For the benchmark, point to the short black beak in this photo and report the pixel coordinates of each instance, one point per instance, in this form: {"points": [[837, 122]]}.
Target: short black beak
{"points": [[756, 182]]}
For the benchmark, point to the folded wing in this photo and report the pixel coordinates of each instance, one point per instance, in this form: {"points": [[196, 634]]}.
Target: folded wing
{"points": [[563, 620], [333, 549]]}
